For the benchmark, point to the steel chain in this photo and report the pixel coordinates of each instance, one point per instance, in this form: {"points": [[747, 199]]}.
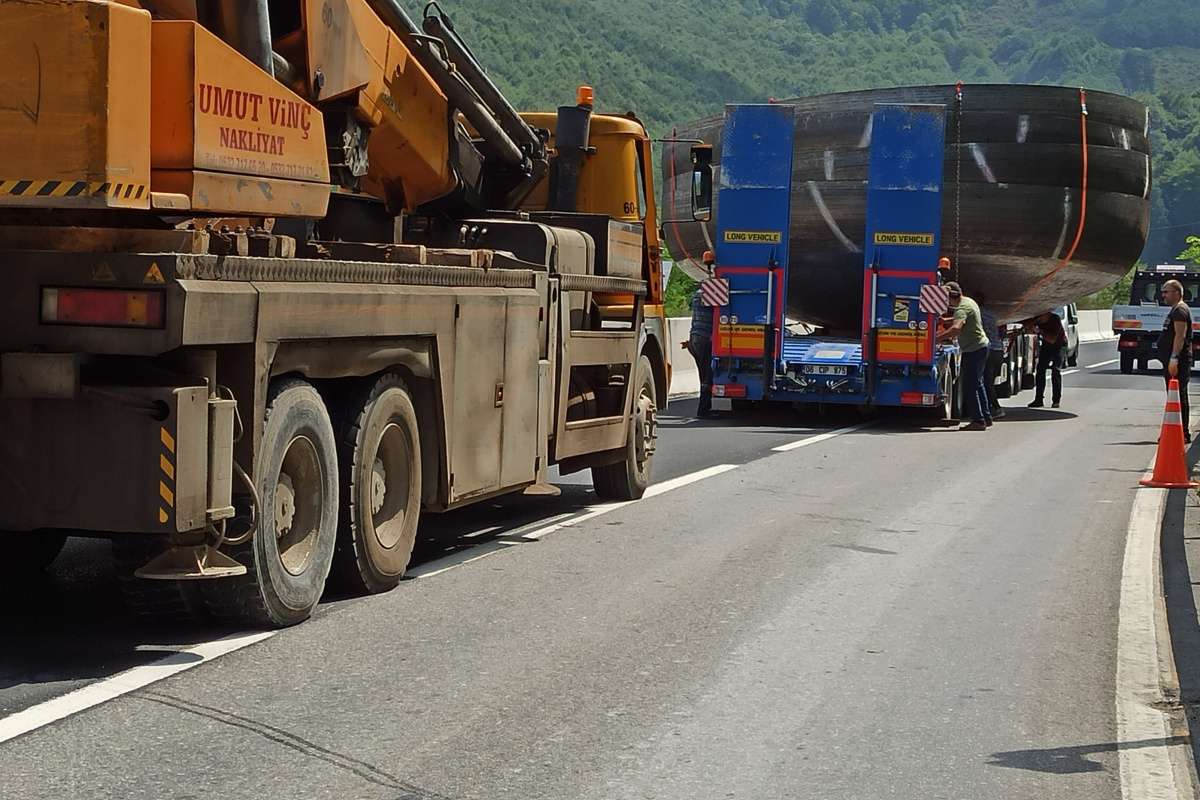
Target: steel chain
{"points": [[958, 184]]}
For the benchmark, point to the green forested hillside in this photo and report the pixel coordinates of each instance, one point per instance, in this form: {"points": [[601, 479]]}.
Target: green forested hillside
{"points": [[675, 60]]}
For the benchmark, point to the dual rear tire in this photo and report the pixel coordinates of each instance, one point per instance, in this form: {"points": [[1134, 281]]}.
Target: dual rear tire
{"points": [[290, 554], [336, 496], [380, 458]]}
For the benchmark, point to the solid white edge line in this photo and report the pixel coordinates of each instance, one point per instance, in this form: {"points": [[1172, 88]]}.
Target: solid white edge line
{"points": [[131, 680], [1102, 364], [822, 437], [1146, 770], [1067, 372]]}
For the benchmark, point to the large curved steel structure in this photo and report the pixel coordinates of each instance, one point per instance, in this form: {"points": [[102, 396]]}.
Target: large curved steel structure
{"points": [[1017, 221]]}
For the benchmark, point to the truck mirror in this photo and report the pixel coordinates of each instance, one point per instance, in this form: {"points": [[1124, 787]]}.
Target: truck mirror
{"points": [[702, 188]]}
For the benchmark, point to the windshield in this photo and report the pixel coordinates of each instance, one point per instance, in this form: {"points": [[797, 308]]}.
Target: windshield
{"points": [[1149, 291]]}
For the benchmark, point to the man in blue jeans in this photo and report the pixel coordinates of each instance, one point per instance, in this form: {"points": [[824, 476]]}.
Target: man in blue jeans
{"points": [[967, 328]]}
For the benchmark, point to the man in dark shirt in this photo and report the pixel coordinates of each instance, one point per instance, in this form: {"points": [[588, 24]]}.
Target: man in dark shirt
{"points": [[699, 344], [1050, 355], [1175, 346]]}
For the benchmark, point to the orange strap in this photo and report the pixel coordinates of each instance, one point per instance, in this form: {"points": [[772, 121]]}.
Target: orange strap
{"points": [[1083, 115]]}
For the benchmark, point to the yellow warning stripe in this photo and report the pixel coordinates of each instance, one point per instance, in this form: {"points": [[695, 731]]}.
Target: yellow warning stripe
{"points": [[167, 466], [33, 188]]}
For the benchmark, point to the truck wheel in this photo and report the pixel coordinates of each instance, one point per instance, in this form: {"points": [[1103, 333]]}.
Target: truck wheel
{"points": [[945, 410], [1028, 379], [380, 462], [29, 552], [956, 389], [1004, 388], [158, 601], [1126, 363], [628, 479], [289, 557]]}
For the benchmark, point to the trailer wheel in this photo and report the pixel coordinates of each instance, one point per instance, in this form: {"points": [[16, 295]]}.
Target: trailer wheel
{"points": [[380, 462], [628, 479], [1005, 389], [1126, 363], [944, 410], [1029, 378], [289, 557], [29, 552], [151, 600]]}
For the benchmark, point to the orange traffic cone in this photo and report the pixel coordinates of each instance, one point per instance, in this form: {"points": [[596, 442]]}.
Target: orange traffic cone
{"points": [[1170, 465]]}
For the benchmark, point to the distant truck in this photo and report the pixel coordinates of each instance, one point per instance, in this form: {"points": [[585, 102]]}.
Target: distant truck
{"points": [[1138, 323]]}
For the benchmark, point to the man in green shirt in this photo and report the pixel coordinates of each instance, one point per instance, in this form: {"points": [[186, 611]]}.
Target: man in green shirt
{"points": [[967, 328]]}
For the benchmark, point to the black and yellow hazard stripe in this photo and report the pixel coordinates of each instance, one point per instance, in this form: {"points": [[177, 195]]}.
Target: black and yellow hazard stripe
{"points": [[30, 188], [166, 481]]}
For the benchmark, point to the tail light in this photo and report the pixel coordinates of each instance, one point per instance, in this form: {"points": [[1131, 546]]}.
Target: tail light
{"points": [[729, 390], [917, 399], [113, 308]]}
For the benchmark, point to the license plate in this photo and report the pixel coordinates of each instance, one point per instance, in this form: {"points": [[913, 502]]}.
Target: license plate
{"points": [[825, 369]]}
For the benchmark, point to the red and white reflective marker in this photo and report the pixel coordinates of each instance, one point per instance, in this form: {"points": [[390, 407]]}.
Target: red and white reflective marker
{"points": [[714, 292], [934, 299]]}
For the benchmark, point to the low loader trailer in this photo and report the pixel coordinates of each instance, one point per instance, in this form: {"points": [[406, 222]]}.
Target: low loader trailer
{"points": [[894, 358]]}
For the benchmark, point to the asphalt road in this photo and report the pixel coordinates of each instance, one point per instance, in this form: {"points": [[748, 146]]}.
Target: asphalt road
{"points": [[897, 611]]}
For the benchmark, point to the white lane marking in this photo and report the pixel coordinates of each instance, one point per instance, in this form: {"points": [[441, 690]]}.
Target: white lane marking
{"points": [[1145, 759], [1067, 372], [41, 715], [823, 437], [1102, 364], [454, 560], [481, 532], [684, 480], [654, 491]]}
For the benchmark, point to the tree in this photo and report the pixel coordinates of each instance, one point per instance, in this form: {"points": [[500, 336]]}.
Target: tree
{"points": [[1192, 253]]}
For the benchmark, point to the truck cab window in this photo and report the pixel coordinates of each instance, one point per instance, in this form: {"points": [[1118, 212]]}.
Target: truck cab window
{"points": [[641, 186]]}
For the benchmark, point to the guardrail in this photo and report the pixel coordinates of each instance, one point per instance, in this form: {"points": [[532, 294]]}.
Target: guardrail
{"points": [[685, 379], [1095, 326]]}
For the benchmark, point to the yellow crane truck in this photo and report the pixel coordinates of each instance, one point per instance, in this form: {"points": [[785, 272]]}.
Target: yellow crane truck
{"points": [[277, 278]]}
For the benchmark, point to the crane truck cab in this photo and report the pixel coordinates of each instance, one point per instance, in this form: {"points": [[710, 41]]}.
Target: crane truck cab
{"points": [[615, 179]]}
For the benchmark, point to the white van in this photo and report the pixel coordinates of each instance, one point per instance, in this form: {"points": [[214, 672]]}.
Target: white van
{"points": [[1069, 315]]}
